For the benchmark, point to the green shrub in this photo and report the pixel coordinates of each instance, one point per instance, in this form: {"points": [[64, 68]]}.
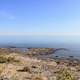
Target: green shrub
{"points": [[3, 59], [7, 59], [65, 74], [12, 59]]}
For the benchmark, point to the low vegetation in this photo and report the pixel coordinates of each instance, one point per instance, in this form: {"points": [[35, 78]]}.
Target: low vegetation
{"points": [[25, 69], [4, 59], [65, 74], [20, 67], [38, 78]]}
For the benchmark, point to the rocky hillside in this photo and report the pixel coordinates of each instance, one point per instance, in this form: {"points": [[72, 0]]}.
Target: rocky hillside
{"points": [[19, 67]]}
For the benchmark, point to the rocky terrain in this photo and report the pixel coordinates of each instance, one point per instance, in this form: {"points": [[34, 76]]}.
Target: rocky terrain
{"points": [[16, 66]]}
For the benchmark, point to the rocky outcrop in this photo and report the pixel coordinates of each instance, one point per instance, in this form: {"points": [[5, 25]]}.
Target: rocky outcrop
{"points": [[40, 51], [20, 67], [43, 51]]}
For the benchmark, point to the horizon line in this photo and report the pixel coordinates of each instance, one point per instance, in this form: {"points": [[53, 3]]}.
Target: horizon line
{"points": [[39, 34]]}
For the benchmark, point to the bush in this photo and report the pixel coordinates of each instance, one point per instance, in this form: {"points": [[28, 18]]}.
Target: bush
{"points": [[12, 59], [3, 59], [25, 69], [7, 59], [65, 74]]}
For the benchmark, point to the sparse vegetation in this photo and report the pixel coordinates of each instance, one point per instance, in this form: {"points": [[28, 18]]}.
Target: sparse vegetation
{"points": [[19, 67], [65, 74], [12, 59], [25, 69], [4, 59], [38, 78]]}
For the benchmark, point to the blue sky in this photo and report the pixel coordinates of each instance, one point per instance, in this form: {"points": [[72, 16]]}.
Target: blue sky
{"points": [[40, 17]]}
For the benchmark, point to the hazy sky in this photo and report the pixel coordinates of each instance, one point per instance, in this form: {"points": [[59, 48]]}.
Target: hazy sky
{"points": [[39, 17], [42, 21]]}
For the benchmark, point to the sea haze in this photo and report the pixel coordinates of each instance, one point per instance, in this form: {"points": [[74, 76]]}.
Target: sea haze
{"points": [[41, 41]]}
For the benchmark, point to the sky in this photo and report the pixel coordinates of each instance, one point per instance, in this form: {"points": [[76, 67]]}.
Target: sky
{"points": [[40, 17]]}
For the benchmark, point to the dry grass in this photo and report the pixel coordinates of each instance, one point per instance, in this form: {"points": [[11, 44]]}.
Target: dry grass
{"points": [[25, 69], [65, 74], [5, 59], [39, 78]]}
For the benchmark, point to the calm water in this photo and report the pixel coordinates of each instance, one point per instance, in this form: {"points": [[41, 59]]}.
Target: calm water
{"points": [[74, 53], [74, 50], [70, 42]]}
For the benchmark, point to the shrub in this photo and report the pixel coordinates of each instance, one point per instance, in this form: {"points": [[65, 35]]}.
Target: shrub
{"points": [[12, 59], [25, 69], [65, 74], [3, 59], [7, 59]]}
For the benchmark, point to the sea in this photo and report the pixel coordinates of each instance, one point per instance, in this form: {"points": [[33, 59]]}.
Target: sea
{"points": [[72, 43], [73, 50]]}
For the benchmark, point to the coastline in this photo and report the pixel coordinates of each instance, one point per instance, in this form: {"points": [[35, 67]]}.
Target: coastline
{"points": [[16, 66]]}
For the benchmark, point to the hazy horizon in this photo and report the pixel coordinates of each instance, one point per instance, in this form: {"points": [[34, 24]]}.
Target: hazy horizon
{"points": [[40, 21]]}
